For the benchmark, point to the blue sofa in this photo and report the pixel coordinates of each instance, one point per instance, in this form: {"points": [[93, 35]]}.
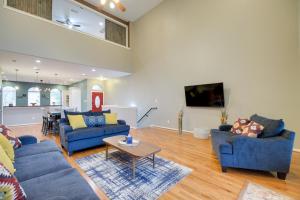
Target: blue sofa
{"points": [[272, 151], [79, 139], [44, 173]]}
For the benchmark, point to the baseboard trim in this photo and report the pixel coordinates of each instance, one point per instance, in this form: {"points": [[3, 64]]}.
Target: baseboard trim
{"points": [[297, 150], [171, 129], [191, 132]]}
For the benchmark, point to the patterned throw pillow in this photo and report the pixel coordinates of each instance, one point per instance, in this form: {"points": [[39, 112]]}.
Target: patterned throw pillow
{"points": [[14, 140], [253, 129], [10, 188], [239, 125], [94, 121]]}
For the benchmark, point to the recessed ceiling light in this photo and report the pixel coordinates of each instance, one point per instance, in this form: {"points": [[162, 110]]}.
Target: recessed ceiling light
{"points": [[102, 78], [112, 5], [103, 2], [38, 61], [93, 70], [101, 23], [83, 74], [35, 68]]}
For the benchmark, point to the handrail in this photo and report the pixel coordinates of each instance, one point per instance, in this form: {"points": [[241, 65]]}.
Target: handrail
{"points": [[146, 115]]}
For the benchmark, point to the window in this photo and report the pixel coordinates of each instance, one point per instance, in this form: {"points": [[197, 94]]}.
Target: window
{"points": [[9, 96], [55, 97], [34, 96]]}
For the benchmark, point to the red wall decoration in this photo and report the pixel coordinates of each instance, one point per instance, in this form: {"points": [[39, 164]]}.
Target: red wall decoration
{"points": [[97, 101]]}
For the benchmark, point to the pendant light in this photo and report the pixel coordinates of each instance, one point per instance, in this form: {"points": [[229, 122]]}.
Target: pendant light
{"points": [[17, 87], [37, 80]]}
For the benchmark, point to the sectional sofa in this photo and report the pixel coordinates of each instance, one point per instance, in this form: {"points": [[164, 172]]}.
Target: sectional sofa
{"points": [[44, 173]]}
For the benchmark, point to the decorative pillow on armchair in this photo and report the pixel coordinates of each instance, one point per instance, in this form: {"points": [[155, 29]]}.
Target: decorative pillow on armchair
{"points": [[10, 188], [253, 129], [239, 125], [14, 140]]}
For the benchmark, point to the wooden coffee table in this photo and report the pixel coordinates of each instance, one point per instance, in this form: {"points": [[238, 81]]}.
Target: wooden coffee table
{"points": [[142, 151]]}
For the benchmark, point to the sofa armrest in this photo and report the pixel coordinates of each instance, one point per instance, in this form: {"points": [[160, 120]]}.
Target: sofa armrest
{"points": [[225, 127], [63, 121], [121, 122], [27, 139], [64, 129]]}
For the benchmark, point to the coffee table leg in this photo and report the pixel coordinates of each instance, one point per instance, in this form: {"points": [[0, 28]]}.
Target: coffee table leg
{"points": [[106, 152], [133, 167]]}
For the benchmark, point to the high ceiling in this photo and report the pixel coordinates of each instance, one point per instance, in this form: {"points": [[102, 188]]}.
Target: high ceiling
{"points": [[67, 73], [135, 8]]}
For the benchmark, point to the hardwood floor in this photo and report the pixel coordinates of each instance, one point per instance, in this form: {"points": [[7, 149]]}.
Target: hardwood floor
{"points": [[206, 181]]}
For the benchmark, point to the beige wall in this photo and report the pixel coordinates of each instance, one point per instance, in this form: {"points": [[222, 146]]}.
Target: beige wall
{"points": [[27, 35], [250, 45]]}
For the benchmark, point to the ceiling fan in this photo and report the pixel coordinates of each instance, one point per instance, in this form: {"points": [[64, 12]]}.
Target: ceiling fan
{"points": [[68, 23], [113, 4]]}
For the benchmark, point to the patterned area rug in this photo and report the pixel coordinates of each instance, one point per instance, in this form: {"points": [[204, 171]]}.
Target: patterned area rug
{"points": [[115, 177], [253, 191]]}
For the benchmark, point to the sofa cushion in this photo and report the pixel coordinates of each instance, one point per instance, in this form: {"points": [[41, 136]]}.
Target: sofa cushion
{"points": [[88, 113], [38, 148], [253, 130], [113, 129], [272, 127], [111, 118], [4, 159], [9, 185], [100, 113], [14, 140], [239, 125], [77, 121], [65, 184], [84, 133], [29, 167], [94, 121], [8, 147]]}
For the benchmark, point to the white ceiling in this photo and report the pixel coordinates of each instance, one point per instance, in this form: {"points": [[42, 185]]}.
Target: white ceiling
{"points": [[68, 73], [135, 8]]}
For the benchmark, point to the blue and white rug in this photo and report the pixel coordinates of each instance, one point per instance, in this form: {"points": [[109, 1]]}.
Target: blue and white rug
{"points": [[115, 177]]}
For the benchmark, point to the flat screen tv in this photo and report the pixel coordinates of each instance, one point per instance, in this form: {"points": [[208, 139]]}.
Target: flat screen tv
{"points": [[209, 95]]}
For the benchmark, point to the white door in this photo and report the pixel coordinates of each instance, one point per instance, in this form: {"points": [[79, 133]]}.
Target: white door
{"points": [[75, 98]]}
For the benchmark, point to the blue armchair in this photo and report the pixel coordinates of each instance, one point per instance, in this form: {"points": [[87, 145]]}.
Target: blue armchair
{"points": [[266, 154]]}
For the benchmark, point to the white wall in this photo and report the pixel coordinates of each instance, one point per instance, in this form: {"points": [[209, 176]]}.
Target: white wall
{"points": [[31, 36], [250, 45]]}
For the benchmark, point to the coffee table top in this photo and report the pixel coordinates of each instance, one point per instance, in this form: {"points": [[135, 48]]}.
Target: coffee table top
{"points": [[143, 149]]}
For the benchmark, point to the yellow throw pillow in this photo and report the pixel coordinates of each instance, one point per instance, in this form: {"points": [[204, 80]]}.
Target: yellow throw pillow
{"points": [[76, 121], [4, 159], [111, 118], [7, 147]]}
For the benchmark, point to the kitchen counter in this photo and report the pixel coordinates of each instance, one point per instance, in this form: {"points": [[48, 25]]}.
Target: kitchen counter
{"points": [[26, 115]]}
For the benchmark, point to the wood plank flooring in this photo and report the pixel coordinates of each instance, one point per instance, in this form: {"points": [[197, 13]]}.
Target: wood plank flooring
{"points": [[206, 181]]}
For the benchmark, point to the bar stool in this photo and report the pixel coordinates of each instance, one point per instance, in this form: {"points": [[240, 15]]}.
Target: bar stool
{"points": [[45, 125]]}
